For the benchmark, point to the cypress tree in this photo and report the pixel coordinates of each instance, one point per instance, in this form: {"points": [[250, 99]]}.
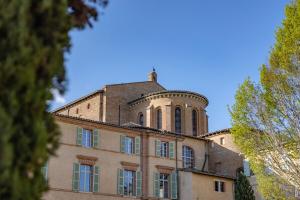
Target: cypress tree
{"points": [[243, 189], [34, 36]]}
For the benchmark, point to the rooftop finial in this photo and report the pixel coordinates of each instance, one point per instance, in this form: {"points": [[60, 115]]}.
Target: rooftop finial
{"points": [[153, 69], [152, 75]]}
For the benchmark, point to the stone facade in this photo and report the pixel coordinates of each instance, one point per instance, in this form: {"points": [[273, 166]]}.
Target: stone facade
{"points": [[130, 111]]}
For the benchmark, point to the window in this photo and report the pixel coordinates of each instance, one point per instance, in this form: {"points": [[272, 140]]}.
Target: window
{"points": [[85, 178], [86, 138], [129, 183], [141, 119], [177, 120], [129, 145], [158, 119], [164, 185], [77, 110], [164, 149], [219, 186], [188, 157], [88, 106], [195, 122], [222, 140]]}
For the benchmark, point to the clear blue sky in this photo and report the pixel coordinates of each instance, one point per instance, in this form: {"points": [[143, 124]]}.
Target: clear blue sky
{"points": [[205, 46]]}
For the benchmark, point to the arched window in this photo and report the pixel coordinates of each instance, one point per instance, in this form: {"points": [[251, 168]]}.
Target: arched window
{"points": [[158, 119], [195, 122], [141, 119], [187, 157], [177, 120]]}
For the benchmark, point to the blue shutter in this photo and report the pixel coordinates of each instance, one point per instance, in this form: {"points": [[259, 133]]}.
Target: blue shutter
{"points": [[137, 142], [96, 177], [120, 181], [79, 136], [246, 168], [138, 183], [157, 148], [171, 150], [75, 181], [96, 138], [174, 185]]}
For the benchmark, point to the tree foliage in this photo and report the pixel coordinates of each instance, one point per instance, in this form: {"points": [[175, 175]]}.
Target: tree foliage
{"points": [[33, 40], [266, 116], [243, 190]]}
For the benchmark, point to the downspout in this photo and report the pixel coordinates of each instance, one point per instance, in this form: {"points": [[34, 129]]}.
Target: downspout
{"points": [[206, 156], [177, 171]]}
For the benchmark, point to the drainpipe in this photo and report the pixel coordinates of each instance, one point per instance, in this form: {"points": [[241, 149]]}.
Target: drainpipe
{"points": [[177, 171]]}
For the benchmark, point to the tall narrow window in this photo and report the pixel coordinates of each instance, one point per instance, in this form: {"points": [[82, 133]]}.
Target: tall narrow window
{"points": [[158, 119], [194, 122], [141, 119], [86, 138], [187, 157], [177, 120], [85, 178], [129, 183], [164, 185]]}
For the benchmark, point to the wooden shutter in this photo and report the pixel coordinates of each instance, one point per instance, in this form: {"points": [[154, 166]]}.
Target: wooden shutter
{"points": [[79, 136], [156, 185], [138, 183], [137, 142], [75, 181], [157, 148], [174, 185], [120, 181], [96, 177], [122, 143], [96, 138], [171, 150]]}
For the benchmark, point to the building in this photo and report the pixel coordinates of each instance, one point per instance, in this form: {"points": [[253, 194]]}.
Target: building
{"points": [[141, 141]]}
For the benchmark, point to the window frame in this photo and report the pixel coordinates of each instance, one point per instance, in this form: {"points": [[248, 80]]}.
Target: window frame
{"points": [[178, 119], [86, 141], [164, 149], [126, 145], [159, 118], [219, 186], [195, 122], [87, 173], [133, 179], [164, 185], [141, 119], [188, 161]]}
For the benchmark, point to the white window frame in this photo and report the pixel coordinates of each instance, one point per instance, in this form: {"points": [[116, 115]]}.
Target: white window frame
{"points": [[129, 148], [87, 142], [219, 186], [164, 149], [86, 173]]}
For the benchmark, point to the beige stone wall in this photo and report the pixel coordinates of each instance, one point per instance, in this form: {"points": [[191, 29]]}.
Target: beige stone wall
{"points": [[224, 159], [168, 105], [121, 94], [93, 111], [197, 187]]}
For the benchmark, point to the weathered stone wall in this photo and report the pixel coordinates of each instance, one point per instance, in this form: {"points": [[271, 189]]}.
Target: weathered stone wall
{"points": [[224, 159]]}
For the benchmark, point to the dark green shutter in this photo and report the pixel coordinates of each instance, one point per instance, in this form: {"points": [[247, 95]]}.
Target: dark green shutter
{"points": [[79, 136], [137, 145], [122, 143], [75, 181], [120, 181], [138, 183], [156, 185], [174, 185], [157, 148], [96, 177], [171, 150], [96, 138]]}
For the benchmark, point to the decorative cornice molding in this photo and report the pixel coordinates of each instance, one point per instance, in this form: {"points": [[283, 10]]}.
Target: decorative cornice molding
{"points": [[168, 94], [87, 160]]}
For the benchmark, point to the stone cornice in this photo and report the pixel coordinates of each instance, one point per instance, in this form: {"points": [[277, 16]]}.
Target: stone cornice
{"points": [[168, 94]]}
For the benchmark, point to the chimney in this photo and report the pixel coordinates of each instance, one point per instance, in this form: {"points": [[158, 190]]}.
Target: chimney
{"points": [[152, 76]]}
